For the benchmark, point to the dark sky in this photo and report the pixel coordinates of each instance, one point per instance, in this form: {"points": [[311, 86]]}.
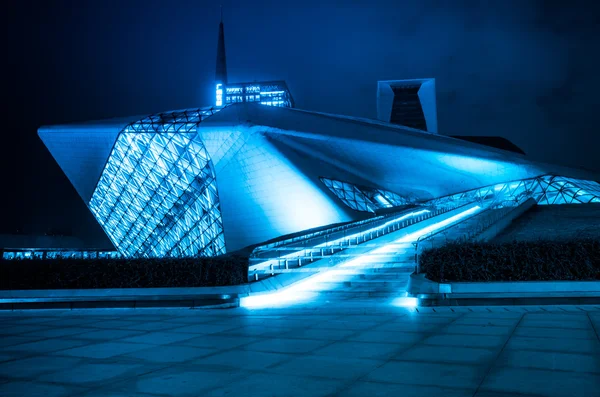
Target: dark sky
{"points": [[525, 70]]}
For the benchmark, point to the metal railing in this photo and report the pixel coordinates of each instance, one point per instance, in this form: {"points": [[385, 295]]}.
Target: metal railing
{"points": [[485, 219], [285, 258]]}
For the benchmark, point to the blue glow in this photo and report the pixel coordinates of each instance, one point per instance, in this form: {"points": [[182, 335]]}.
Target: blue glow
{"points": [[219, 101], [157, 194], [266, 264], [405, 301], [382, 200], [472, 164], [409, 238], [306, 289], [361, 198]]}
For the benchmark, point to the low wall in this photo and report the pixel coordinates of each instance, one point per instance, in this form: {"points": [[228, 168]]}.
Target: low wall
{"points": [[512, 292]]}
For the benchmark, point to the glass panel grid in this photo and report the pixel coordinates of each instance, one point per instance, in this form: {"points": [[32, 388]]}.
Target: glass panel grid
{"points": [[157, 195]]}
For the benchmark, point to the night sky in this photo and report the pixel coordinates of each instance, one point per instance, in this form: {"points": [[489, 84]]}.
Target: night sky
{"points": [[525, 70]]}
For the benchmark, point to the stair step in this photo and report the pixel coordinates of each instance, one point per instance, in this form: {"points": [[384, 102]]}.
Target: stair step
{"points": [[362, 294]]}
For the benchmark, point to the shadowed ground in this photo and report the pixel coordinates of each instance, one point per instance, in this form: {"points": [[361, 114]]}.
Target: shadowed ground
{"points": [[350, 348]]}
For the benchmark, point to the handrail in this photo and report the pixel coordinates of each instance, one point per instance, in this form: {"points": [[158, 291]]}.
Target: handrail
{"points": [[306, 254], [479, 227]]}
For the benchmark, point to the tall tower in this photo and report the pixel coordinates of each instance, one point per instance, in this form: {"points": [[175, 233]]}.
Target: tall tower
{"points": [[221, 70]]}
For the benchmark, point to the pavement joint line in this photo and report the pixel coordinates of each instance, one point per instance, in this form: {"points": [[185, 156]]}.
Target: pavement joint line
{"points": [[593, 326], [400, 351], [493, 362]]}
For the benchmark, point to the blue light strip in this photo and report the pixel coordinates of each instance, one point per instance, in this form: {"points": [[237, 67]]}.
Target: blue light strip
{"points": [[301, 253], [304, 290]]}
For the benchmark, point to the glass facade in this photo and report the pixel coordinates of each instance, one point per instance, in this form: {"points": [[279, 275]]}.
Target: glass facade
{"points": [[561, 190], [157, 195], [361, 198], [12, 254], [271, 94], [546, 190]]}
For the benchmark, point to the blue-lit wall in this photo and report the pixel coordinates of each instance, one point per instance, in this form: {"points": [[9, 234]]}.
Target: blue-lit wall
{"points": [[157, 194]]}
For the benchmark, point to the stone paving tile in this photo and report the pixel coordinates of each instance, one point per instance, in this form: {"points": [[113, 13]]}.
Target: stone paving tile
{"points": [[8, 356], [257, 348], [565, 317], [105, 393], [30, 368], [268, 385], [218, 341], [491, 322], [543, 323], [410, 327], [354, 349], [485, 341], [8, 341], [286, 345], [374, 389], [204, 328], [394, 337], [549, 360], [21, 329], [243, 359], [59, 332], [16, 318], [569, 333], [46, 346], [481, 329], [170, 354], [585, 346], [419, 373], [93, 374], [494, 314], [178, 382], [113, 324], [327, 367], [20, 389], [107, 334], [489, 393], [157, 338], [152, 326], [345, 325], [323, 334], [195, 319], [72, 322], [104, 350], [256, 330], [447, 354], [427, 319], [547, 383]]}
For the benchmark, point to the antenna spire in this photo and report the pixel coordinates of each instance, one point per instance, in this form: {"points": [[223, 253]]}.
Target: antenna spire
{"points": [[221, 72]]}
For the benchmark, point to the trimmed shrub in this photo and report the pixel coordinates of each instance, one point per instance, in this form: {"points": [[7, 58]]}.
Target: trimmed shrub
{"points": [[123, 273], [517, 261]]}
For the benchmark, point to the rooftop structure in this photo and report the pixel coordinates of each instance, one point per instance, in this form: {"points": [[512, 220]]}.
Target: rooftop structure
{"points": [[205, 181], [270, 93]]}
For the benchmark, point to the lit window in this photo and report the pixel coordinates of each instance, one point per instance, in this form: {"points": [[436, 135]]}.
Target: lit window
{"points": [[219, 101]]}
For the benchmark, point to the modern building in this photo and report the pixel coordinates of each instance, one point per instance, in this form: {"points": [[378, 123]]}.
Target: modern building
{"points": [[271, 93], [206, 181]]}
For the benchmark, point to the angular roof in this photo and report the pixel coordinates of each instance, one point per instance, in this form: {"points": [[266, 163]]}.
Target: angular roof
{"points": [[387, 156], [81, 149]]}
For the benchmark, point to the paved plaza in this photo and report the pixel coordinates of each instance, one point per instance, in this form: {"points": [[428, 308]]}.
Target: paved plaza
{"points": [[344, 349]]}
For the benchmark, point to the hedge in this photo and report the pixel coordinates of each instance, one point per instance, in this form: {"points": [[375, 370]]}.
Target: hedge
{"points": [[516, 261], [122, 273]]}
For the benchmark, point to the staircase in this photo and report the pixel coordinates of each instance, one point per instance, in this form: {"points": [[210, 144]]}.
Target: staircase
{"points": [[375, 276], [377, 267]]}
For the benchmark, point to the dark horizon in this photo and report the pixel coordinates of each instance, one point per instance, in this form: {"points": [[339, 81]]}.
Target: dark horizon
{"points": [[526, 72]]}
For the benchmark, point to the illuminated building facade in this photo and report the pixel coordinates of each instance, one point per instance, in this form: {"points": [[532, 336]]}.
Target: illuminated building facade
{"points": [[206, 181], [270, 93]]}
